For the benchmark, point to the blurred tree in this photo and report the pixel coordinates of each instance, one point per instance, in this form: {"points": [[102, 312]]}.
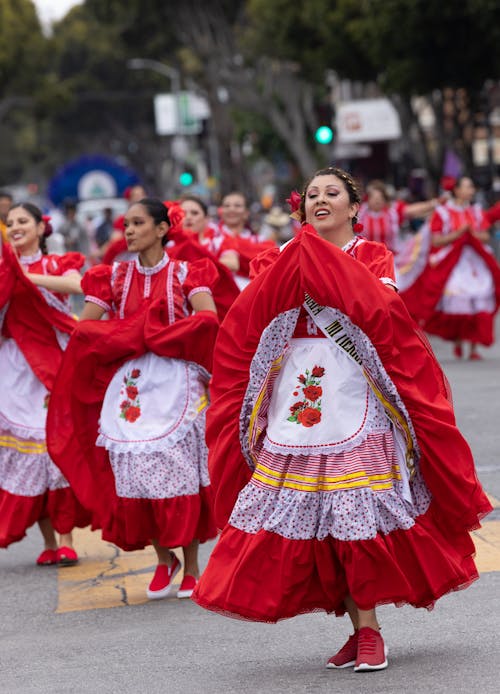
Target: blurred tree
{"points": [[409, 47]]}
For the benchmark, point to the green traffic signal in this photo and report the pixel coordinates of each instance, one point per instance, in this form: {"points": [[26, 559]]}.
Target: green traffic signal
{"points": [[323, 135], [186, 178]]}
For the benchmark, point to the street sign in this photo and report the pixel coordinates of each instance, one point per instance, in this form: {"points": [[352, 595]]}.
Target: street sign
{"points": [[180, 114]]}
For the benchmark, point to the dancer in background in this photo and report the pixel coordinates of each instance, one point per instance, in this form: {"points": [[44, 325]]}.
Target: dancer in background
{"points": [[136, 385], [219, 244], [341, 480], [458, 294], [234, 215], [36, 322], [382, 219]]}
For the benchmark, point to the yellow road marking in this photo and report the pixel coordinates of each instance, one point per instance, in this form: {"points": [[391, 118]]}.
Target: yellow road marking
{"points": [[487, 541], [108, 577], [105, 575], [493, 500]]}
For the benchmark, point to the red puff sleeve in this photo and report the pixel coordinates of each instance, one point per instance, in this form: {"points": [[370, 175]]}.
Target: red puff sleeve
{"points": [[379, 260], [96, 286], [62, 264], [202, 276]]}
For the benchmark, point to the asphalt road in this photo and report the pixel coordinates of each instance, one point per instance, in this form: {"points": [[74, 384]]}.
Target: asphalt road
{"points": [[51, 642]]}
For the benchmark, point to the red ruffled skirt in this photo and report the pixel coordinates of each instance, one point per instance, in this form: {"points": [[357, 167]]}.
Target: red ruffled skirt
{"points": [[18, 513], [174, 522], [265, 577]]}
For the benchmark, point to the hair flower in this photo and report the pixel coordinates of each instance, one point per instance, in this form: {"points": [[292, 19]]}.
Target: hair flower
{"points": [[357, 228], [294, 201], [48, 226], [175, 213]]}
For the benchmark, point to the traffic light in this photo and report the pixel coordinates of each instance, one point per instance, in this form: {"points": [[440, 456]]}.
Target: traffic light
{"points": [[323, 135], [186, 178]]}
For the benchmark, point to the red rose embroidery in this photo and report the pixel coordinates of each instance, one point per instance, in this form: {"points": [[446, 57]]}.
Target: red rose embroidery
{"points": [[312, 393], [309, 417], [132, 392], [132, 413], [130, 408], [308, 411]]}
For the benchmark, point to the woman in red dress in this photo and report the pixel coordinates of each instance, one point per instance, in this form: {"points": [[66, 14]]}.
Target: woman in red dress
{"points": [[382, 219], [341, 480], [127, 418], [219, 244], [36, 321], [464, 278]]}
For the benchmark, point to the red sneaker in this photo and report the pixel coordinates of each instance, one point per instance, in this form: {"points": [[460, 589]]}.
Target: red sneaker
{"points": [[187, 586], [66, 556], [161, 585], [475, 356], [372, 653], [346, 657], [47, 558]]}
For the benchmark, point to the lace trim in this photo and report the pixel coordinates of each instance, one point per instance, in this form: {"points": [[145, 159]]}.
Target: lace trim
{"points": [[197, 290], [19, 431], [126, 288], [30, 259], [373, 364], [170, 294], [388, 281], [151, 270], [99, 302], [54, 302], [274, 339], [3, 312], [354, 514]]}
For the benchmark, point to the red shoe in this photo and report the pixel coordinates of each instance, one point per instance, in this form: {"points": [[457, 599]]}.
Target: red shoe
{"points": [[372, 653], [475, 356], [47, 558], [458, 351], [187, 586], [66, 556], [161, 585], [346, 657]]}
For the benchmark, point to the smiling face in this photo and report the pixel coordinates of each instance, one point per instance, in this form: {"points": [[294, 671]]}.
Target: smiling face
{"points": [[23, 231], [327, 205], [234, 210], [195, 218], [141, 231]]}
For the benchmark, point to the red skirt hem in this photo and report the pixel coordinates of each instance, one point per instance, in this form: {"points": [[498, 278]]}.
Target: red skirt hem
{"points": [[18, 513], [476, 328], [265, 577], [172, 522]]}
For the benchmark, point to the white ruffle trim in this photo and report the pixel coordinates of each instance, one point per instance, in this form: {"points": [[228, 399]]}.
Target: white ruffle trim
{"points": [[354, 514], [19, 431]]}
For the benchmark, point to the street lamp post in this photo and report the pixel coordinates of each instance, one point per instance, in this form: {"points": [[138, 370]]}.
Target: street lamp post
{"points": [[156, 66], [175, 82]]}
